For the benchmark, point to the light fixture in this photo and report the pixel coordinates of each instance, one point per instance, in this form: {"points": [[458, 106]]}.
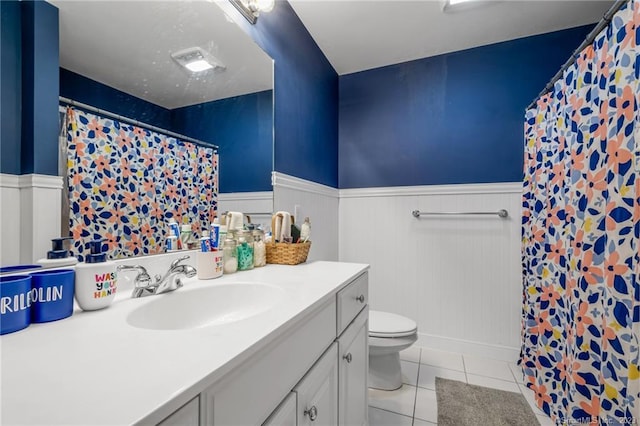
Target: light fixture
{"points": [[250, 9], [454, 2], [197, 60]]}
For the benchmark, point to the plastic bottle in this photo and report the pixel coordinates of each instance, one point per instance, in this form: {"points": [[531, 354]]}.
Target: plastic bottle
{"points": [[185, 236], [174, 231], [215, 234], [96, 280], [172, 243], [58, 255], [206, 242], [305, 231]]}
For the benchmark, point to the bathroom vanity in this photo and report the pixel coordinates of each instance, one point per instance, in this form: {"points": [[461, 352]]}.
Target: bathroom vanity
{"points": [[278, 345]]}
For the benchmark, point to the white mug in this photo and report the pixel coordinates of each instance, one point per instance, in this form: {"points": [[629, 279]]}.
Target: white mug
{"points": [[209, 264]]}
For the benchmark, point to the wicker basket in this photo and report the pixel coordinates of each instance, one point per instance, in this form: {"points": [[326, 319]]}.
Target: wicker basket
{"points": [[287, 253]]}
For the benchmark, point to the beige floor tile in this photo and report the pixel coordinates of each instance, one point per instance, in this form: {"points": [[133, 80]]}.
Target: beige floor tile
{"points": [[418, 422], [378, 417], [490, 382], [544, 420], [399, 401], [409, 372], [428, 374], [488, 367], [426, 405], [517, 372], [450, 360], [531, 399], [412, 354]]}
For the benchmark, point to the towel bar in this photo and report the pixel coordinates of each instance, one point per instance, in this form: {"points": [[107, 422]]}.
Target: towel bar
{"points": [[501, 213]]}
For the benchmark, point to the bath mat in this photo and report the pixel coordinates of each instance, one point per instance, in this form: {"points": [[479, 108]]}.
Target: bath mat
{"points": [[460, 404]]}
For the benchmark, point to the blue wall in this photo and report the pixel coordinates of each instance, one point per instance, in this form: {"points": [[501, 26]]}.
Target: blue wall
{"points": [[91, 92], [242, 127], [306, 96], [454, 118], [11, 81], [40, 87]]}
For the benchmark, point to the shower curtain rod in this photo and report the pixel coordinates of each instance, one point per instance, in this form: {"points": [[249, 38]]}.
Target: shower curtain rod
{"points": [[119, 117], [606, 18]]}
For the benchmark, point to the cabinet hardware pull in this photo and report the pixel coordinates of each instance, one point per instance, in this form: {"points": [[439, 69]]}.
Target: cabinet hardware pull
{"points": [[347, 358], [312, 413], [360, 298]]}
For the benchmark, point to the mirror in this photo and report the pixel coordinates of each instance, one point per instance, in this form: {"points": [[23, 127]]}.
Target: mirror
{"points": [[128, 46]]}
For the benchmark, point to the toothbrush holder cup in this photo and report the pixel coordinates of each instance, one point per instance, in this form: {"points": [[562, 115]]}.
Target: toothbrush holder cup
{"points": [[52, 295], [15, 303]]}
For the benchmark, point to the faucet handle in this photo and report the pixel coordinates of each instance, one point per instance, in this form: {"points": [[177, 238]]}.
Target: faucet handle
{"points": [[177, 261], [143, 279]]}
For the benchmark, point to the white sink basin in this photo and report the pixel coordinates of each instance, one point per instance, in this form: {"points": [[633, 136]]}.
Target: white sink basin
{"points": [[206, 306]]}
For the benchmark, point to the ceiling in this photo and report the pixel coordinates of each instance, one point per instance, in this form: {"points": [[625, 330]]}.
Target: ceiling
{"points": [[356, 35], [127, 45]]}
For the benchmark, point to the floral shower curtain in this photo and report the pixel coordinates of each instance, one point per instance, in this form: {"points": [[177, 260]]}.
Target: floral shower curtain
{"points": [[581, 235], [125, 183]]}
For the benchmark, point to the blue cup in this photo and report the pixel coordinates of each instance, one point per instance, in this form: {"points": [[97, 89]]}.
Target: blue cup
{"points": [[52, 295], [15, 303], [16, 268]]}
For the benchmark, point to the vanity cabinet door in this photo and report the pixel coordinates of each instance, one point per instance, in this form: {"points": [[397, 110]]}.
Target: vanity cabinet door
{"points": [[187, 415], [285, 414], [353, 359], [318, 392]]}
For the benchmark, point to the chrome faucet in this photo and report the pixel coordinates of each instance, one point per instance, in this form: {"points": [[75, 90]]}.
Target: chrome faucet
{"points": [[172, 279]]}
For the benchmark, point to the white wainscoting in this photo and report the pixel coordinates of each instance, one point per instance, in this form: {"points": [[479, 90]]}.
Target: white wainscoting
{"points": [[319, 202], [258, 205], [9, 220], [458, 277], [30, 216]]}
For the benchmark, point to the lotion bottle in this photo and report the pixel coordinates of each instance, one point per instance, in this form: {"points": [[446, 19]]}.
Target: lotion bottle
{"points": [[58, 255], [96, 280]]}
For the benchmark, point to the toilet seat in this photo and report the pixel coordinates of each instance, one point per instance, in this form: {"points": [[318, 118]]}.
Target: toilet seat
{"points": [[388, 325]]}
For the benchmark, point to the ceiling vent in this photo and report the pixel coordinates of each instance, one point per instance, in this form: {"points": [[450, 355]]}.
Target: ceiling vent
{"points": [[459, 5], [197, 60]]}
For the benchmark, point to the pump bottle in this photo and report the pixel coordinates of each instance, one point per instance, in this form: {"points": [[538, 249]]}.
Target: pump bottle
{"points": [[58, 255], [96, 279]]}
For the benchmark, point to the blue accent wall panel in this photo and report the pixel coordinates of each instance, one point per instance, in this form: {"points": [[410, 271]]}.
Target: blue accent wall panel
{"points": [[450, 119], [82, 89], [11, 87], [242, 127], [306, 97], [40, 87]]}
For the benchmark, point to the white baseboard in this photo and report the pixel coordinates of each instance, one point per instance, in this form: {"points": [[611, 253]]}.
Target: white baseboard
{"points": [[446, 344]]}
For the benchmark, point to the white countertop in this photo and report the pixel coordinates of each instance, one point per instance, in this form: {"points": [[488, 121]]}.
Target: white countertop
{"points": [[94, 368]]}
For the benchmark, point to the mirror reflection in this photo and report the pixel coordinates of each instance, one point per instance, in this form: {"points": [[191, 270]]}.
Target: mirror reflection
{"points": [[180, 67]]}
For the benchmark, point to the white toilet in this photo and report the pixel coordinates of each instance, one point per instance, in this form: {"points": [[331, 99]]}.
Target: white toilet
{"points": [[388, 335]]}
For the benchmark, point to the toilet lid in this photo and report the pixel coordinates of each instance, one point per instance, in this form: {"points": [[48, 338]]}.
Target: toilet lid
{"points": [[386, 324]]}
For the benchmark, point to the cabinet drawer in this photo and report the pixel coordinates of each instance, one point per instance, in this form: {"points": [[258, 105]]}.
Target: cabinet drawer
{"points": [[285, 414], [353, 358], [248, 395], [351, 300], [318, 392], [187, 415]]}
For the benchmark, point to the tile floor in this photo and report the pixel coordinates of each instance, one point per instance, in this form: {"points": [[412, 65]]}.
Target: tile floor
{"points": [[415, 402]]}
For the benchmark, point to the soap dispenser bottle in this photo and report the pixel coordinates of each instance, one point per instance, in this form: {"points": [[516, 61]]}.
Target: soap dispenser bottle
{"points": [[58, 255], [96, 279]]}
